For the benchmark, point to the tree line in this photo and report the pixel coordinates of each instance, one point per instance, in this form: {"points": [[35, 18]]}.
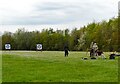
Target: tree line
{"points": [[104, 33]]}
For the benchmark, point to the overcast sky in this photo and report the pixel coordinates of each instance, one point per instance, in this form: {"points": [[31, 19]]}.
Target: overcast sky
{"points": [[59, 14]]}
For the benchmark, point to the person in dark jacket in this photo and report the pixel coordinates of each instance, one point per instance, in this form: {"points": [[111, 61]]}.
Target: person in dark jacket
{"points": [[66, 51]]}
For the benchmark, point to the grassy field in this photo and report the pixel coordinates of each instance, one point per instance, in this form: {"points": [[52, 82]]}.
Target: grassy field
{"points": [[52, 66]]}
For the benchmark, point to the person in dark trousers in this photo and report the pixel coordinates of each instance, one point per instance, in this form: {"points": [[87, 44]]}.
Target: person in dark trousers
{"points": [[66, 51]]}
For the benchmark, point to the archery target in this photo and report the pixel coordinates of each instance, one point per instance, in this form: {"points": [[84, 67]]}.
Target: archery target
{"points": [[7, 46], [39, 46]]}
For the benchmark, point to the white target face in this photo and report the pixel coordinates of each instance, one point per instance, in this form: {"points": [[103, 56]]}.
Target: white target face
{"points": [[39, 46], [7, 46]]}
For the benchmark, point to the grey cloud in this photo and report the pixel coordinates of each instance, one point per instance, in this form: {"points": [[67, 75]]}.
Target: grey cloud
{"points": [[49, 6], [37, 20], [78, 11], [61, 13]]}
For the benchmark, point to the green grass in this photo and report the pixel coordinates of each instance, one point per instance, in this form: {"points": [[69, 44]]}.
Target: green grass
{"points": [[52, 66]]}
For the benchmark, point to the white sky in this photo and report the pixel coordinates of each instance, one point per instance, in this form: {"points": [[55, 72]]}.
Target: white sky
{"points": [[59, 14]]}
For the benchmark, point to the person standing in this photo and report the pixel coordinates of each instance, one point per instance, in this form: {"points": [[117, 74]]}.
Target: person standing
{"points": [[91, 49], [95, 48], [66, 51]]}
